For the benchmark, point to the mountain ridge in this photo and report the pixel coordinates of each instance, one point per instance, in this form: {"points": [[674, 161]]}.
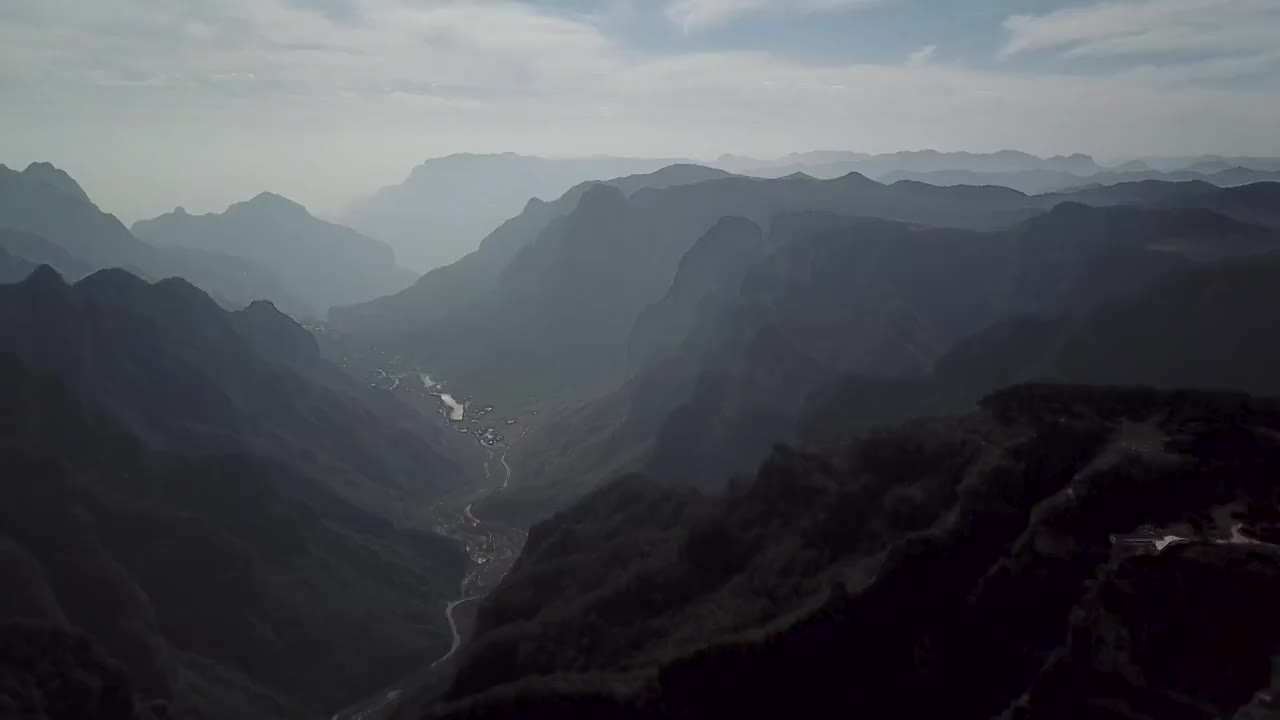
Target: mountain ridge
{"points": [[322, 263]]}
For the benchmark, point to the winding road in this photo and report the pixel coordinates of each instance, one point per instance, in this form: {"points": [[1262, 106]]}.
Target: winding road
{"points": [[387, 700], [453, 627]]}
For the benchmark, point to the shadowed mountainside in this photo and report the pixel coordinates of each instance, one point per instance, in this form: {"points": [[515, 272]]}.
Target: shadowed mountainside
{"points": [[830, 296], [565, 303], [188, 376], [226, 584], [863, 580]]}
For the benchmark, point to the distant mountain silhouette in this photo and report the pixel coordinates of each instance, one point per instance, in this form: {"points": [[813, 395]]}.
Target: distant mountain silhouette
{"points": [[565, 303], [45, 202], [36, 250], [1035, 182], [1256, 202], [217, 585], [867, 580], [447, 205], [322, 263], [1218, 163], [472, 278], [834, 164]]}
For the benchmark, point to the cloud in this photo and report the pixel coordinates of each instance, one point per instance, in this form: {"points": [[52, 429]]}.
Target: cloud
{"points": [[1130, 27], [156, 103], [693, 15], [304, 46], [922, 55]]}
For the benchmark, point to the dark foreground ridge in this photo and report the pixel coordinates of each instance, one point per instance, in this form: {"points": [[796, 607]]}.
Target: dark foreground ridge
{"points": [[1066, 552]]}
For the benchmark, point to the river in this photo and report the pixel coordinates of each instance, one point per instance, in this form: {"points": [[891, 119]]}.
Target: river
{"points": [[457, 410]]}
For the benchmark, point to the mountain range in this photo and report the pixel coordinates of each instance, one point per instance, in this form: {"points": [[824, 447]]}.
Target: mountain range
{"points": [[186, 483], [761, 326], [566, 299], [478, 274], [881, 556], [1035, 182], [826, 164], [318, 262], [679, 443], [447, 205], [268, 248], [867, 579], [573, 285]]}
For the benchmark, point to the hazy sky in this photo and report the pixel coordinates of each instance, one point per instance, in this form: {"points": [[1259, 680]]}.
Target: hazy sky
{"points": [[155, 103]]}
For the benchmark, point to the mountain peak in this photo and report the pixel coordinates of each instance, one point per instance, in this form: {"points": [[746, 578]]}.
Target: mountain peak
{"points": [[856, 177], [44, 276], [602, 195], [113, 282], [270, 198], [274, 333], [51, 175], [269, 202], [191, 295]]}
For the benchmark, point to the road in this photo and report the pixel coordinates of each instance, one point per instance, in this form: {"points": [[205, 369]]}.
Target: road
{"points": [[481, 555], [453, 627]]}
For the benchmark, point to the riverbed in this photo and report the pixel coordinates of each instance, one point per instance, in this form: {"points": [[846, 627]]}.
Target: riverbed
{"points": [[457, 411]]}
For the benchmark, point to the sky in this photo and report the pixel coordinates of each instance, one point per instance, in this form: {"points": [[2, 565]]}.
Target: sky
{"points": [[157, 103]]}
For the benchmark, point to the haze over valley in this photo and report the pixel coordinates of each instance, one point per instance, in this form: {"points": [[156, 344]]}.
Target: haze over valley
{"points": [[427, 359]]}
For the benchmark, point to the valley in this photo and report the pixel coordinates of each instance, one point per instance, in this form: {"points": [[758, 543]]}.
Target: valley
{"points": [[676, 444], [639, 360], [491, 547]]}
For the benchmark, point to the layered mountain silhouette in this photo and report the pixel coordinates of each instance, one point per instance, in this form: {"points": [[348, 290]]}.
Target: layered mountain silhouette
{"points": [[43, 200], [726, 362], [187, 376], [828, 164], [477, 275], [1034, 182], [46, 218], [33, 251], [319, 262], [911, 164], [565, 302], [794, 441], [447, 205]]}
